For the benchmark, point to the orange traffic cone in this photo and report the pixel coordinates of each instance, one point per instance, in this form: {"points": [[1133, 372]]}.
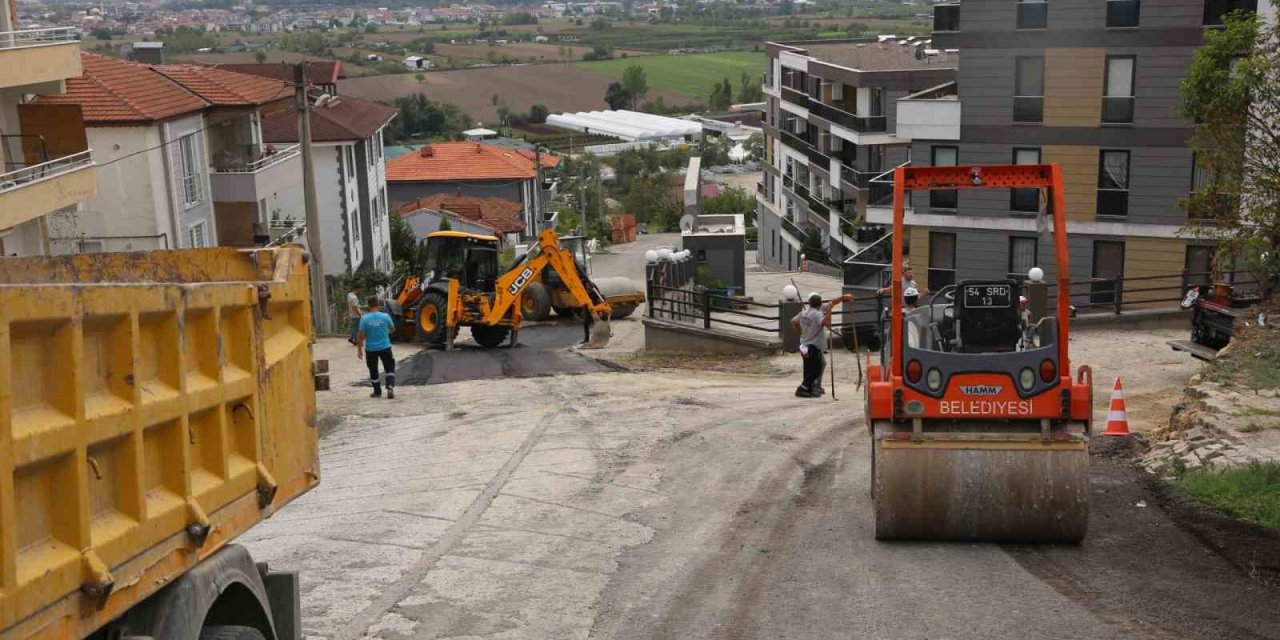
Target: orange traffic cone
{"points": [[1117, 420]]}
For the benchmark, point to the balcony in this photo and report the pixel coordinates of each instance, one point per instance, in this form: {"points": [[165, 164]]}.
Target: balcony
{"points": [[860, 124], [1028, 109], [30, 191], [946, 17], [930, 115], [35, 56], [250, 181]]}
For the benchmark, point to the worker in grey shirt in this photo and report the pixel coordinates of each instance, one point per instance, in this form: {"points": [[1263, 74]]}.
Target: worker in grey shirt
{"points": [[811, 323]]}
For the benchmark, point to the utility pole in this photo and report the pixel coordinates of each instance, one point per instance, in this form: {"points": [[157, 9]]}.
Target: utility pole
{"points": [[539, 220], [319, 291]]}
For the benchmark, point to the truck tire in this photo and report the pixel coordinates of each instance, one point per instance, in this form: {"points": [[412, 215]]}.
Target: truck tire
{"points": [[431, 324], [489, 337], [230, 632], [622, 311], [535, 304]]}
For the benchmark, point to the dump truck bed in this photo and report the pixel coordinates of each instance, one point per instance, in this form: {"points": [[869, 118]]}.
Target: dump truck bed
{"points": [[153, 406]]}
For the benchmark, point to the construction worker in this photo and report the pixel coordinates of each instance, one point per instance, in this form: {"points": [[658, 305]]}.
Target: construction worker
{"points": [[354, 311], [912, 291], [373, 344], [811, 323]]}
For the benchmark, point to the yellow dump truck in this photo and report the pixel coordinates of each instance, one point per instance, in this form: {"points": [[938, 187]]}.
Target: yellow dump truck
{"points": [[153, 407]]}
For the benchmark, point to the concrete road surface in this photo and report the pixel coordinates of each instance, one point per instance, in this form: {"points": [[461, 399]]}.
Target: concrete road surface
{"points": [[676, 504]]}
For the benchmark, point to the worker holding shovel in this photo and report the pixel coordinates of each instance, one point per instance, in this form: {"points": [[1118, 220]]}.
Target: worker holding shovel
{"points": [[811, 323]]}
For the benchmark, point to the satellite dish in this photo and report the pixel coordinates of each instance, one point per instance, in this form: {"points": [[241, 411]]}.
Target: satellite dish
{"points": [[686, 223]]}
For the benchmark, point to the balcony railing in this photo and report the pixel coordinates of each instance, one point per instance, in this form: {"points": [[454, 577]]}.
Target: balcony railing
{"points": [[946, 17], [269, 158], [1033, 14], [792, 228], [1028, 108], [38, 37], [1117, 110], [20, 177], [1123, 13], [860, 124], [795, 96]]}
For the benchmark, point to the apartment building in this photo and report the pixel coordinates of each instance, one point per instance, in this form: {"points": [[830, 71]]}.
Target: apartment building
{"points": [[351, 178], [45, 163], [182, 162], [1094, 87], [840, 114]]}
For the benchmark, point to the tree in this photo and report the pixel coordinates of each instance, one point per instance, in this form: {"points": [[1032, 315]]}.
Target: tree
{"points": [[636, 83], [260, 56], [617, 97], [444, 223], [1236, 102], [538, 113], [755, 147], [812, 247]]}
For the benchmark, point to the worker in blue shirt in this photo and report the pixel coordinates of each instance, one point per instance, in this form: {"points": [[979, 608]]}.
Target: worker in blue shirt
{"points": [[373, 343]]}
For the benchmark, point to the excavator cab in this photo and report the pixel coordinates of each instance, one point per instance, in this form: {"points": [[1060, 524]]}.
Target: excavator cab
{"points": [[470, 259]]}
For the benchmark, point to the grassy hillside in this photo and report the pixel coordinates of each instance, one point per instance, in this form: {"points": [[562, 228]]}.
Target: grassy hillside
{"points": [[691, 75]]}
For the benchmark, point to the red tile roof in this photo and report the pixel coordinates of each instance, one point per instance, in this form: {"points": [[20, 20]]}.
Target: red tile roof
{"points": [[115, 91], [457, 161], [337, 120], [327, 72], [499, 213], [226, 88]]}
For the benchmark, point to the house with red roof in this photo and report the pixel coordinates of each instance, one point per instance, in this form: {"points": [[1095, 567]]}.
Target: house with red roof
{"points": [[181, 160], [477, 171]]}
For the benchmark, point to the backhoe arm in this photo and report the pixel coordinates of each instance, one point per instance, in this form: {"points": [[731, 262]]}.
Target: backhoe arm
{"points": [[548, 252]]}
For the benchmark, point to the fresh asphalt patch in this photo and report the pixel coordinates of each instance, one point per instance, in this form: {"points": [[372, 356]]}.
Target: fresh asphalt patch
{"points": [[544, 350]]}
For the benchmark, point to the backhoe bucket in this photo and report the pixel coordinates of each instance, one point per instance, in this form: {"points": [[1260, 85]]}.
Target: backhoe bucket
{"points": [[980, 487], [600, 334]]}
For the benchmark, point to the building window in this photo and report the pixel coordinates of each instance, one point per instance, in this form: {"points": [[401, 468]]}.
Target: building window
{"points": [[1113, 183], [942, 260], [1199, 264], [189, 160], [350, 151], [944, 198], [1214, 10], [198, 235], [1025, 200], [1199, 175], [1123, 13], [1108, 264], [1023, 254], [1028, 89], [1117, 104], [1033, 14]]}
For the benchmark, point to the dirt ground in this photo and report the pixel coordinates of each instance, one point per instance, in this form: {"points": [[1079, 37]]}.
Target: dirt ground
{"points": [[560, 87]]}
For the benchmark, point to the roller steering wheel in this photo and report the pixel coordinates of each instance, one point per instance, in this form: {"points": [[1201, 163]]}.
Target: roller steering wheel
{"points": [[948, 293]]}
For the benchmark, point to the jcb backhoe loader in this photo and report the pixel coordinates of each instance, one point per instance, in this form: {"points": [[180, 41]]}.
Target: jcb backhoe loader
{"points": [[978, 429], [464, 288]]}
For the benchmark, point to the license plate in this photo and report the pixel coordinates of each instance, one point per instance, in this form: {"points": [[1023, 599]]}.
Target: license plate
{"points": [[988, 296]]}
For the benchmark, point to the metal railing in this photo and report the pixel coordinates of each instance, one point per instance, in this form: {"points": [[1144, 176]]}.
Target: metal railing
{"points": [[38, 37], [1117, 109], [860, 124], [11, 180], [794, 96], [1123, 13], [268, 159], [1115, 295]]}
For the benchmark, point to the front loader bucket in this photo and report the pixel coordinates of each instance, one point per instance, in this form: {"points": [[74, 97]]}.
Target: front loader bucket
{"points": [[1000, 490], [601, 332]]}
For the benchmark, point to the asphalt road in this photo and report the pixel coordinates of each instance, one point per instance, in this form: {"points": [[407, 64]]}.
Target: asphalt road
{"points": [[681, 505]]}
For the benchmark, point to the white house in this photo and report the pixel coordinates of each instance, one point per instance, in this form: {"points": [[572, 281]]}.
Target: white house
{"points": [[180, 156], [417, 63], [351, 178]]}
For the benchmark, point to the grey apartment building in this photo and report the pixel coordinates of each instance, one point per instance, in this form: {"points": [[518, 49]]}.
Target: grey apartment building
{"points": [[840, 113], [1090, 84]]}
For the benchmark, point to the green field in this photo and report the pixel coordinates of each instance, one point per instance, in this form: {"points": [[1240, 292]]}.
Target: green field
{"points": [[692, 75]]}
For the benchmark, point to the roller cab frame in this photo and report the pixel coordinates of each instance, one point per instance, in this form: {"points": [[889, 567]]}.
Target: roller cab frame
{"points": [[979, 430]]}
